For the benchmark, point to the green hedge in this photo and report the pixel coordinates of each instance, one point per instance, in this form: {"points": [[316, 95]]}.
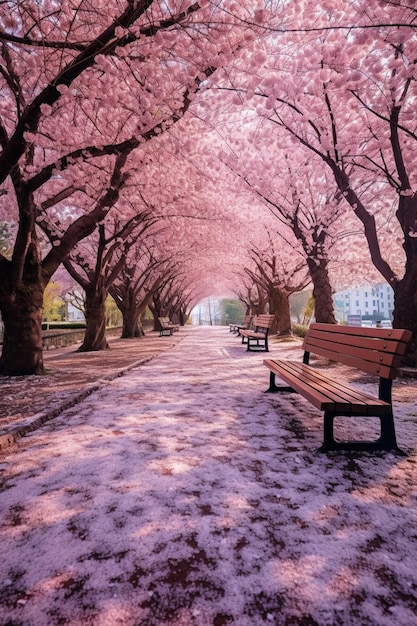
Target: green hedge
{"points": [[62, 325]]}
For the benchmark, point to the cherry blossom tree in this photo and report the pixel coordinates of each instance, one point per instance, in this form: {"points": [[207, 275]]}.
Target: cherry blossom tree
{"points": [[299, 197], [351, 102], [84, 84], [96, 265], [277, 274], [133, 288]]}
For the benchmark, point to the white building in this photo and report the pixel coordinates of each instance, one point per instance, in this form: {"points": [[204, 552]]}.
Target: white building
{"points": [[74, 314], [370, 302]]}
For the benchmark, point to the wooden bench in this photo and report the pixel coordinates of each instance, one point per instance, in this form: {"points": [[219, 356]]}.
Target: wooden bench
{"points": [[246, 323], [257, 339], [373, 350], [166, 327]]}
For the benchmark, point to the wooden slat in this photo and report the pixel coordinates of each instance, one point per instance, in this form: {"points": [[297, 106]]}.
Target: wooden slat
{"points": [[374, 350], [396, 334], [252, 334], [263, 321], [324, 393], [334, 353], [334, 395], [373, 344], [309, 387]]}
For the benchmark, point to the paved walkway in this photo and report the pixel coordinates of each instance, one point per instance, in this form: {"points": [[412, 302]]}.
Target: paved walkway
{"points": [[181, 494], [27, 402]]}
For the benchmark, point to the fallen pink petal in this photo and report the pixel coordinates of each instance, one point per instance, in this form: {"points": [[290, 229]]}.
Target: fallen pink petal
{"points": [[180, 493]]}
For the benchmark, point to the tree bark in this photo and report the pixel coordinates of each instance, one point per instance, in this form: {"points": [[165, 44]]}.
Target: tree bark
{"points": [[132, 327], [404, 315], [95, 313], [22, 285], [279, 305], [322, 291], [22, 342]]}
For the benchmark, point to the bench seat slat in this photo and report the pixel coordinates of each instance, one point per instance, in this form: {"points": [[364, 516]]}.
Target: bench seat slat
{"points": [[329, 387], [324, 393], [252, 333]]}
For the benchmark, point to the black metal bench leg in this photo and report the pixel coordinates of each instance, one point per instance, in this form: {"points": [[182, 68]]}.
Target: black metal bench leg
{"points": [[388, 439], [272, 385], [328, 436], [274, 388]]}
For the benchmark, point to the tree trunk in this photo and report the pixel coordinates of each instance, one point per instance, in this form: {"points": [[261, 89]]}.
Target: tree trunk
{"points": [[404, 315], [22, 343], [132, 326], [156, 310], [279, 305], [22, 285], [95, 313], [322, 291], [182, 317]]}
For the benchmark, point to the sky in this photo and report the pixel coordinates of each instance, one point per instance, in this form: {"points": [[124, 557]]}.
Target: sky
{"points": [[183, 494]]}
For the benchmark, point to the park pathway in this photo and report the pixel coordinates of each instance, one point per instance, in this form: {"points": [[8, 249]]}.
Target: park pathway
{"points": [[181, 494]]}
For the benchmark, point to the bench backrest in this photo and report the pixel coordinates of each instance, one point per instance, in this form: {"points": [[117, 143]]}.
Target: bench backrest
{"points": [[164, 321], [263, 321], [374, 350]]}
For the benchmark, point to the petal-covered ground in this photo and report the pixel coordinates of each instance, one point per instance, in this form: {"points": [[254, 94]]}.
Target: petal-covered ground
{"points": [[182, 494]]}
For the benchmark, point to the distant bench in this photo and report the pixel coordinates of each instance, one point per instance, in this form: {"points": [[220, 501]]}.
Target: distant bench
{"points": [[373, 350], [246, 322], [257, 339], [166, 327]]}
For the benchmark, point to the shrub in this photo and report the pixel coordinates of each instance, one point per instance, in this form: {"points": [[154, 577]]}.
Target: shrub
{"points": [[299, 329]]}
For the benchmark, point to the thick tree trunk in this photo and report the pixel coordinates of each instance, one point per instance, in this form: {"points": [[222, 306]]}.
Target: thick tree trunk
{"points": [[182, 317], [405, 312], [22, 319], [95, 314], [156, 310], [322, 291], [279, 305], [22, 286], [132, 326]]}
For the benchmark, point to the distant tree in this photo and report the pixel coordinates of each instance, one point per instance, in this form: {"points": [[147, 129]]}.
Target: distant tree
{"points": [[231, 311], [298, 196], [308, 310], [278, 275], [113, 315], [298, 304], [53, 304], [135, 285], [5, 239]]}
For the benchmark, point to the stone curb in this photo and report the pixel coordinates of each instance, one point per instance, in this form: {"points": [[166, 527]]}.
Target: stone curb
{"points": [[36, 421]]}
